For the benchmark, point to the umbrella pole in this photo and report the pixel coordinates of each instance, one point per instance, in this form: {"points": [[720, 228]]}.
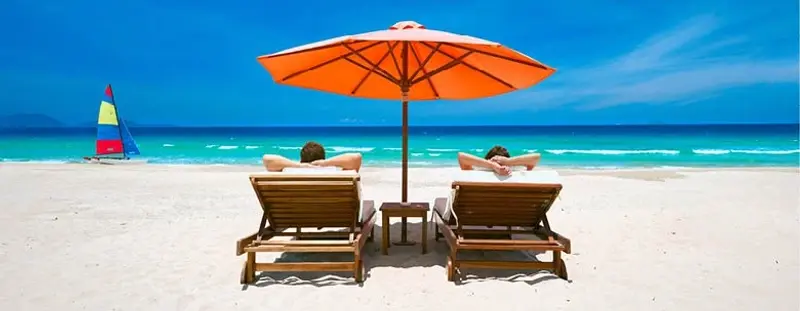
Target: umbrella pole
{"points": [[404, 194], [404, 88], [405, 153]]}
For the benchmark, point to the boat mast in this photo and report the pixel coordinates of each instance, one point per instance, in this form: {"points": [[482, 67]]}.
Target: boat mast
{"points": [[119, 123]]}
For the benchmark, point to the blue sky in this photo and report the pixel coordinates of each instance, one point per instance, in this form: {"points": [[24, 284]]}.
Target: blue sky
{"points": [[193, 62]]}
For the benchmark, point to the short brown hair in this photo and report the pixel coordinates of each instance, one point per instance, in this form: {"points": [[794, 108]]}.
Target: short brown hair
{"points": [[311, 152], [497, 150]]}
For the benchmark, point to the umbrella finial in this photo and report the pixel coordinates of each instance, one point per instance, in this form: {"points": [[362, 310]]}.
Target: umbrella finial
{"points": [[406, 25]]}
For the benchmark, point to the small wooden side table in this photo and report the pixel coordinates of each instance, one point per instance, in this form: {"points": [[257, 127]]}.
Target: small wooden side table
{"points": [[397, 209]]}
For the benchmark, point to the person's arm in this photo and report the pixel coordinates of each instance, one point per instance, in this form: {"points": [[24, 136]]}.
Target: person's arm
{"points": [[347, 161], [276, 163], [528, 160], [468, 161]]}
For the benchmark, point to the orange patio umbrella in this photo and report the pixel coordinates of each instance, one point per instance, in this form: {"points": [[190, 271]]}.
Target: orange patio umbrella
{"points": [[406, 62]]}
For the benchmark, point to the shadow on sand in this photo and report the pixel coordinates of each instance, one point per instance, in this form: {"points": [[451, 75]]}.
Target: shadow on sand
{"points": [[403, 257]]}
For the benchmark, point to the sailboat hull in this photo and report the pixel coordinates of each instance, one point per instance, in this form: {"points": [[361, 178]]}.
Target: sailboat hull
{"points": [[110, 161]]}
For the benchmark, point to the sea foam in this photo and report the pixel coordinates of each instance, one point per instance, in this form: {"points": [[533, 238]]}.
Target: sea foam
{"points": [[612, 152], [745, 151], [350, 149]]}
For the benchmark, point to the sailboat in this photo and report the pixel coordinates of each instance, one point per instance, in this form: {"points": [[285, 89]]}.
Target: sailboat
{"points": [[114, 144]]}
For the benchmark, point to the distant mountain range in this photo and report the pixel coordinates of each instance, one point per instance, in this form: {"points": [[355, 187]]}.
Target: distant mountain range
{"points": [[29, 120], [37, 120]]}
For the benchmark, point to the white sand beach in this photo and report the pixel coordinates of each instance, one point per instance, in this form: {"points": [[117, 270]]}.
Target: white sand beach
{"points": [[159, 237]]}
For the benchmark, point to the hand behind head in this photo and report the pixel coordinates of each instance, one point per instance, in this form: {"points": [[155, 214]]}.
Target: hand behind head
{"points": [[503, 170], [499, 159]]}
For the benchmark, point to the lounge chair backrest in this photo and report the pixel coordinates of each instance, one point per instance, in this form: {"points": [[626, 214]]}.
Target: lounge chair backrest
{"points": [[309, 200], [502, 203]]}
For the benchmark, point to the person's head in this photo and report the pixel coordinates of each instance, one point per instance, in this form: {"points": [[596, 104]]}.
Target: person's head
{"points": [[497, 151], [311, 152]]}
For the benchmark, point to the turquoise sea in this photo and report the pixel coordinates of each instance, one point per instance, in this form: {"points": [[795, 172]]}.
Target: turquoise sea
{"points": [[560, 146]]}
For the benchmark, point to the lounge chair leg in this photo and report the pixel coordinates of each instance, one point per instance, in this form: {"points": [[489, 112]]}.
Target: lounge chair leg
{"points": [[451, 269], [250, 266], [358, 272], [563, 270], [560, 269], [435, 231], [243, 276]]}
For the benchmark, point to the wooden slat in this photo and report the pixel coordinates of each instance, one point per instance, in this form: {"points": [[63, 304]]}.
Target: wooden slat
{"points": [[498, 247], [307, 243], [317, 214], [316, 194], [304, 184], [244, 242], [321, 205], [312, 209], [504, 196], [299, 249], [494, 222], [506, 242], [485, 264], [311, 223], [513, 214], [306, 266]]}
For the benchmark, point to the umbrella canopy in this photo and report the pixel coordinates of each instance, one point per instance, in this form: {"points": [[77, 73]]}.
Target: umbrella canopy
{"points": [[406, 62]]}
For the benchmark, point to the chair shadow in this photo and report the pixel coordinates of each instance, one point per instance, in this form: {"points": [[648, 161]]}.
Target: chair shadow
{"points": [[401, 256], [530, 277], [318, 279], [406, 256]]}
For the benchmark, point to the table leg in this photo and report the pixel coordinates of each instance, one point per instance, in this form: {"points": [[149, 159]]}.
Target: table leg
{"points": [[403, 230], [404, 233], [385, 235], [424, 234]]}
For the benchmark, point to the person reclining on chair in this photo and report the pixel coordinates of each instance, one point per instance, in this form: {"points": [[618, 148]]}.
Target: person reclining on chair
{"points": [[498, 160], [313, 155]]}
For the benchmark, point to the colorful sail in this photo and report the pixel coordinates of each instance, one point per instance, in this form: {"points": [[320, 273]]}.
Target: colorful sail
{"points": [[113, 136], [128, 144]]}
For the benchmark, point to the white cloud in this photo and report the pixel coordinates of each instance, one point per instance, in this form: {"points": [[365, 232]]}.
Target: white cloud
{"points": [[689, 63]]}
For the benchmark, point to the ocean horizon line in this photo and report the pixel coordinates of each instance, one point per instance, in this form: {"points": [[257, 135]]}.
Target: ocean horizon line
{"points": [[636, 125]]}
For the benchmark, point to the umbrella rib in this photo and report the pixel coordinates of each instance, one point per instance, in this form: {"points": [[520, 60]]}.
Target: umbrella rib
{"points": [[395, 81], [449, 65], [485, 73], [428, 58], [368, 69], [422, 67], [332, 45], [532, 64], [317, 66], [394, 59], [358, 86]]}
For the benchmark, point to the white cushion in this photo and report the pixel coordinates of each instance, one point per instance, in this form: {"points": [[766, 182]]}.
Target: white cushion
{"points": [[327, 170], [532, 177]]}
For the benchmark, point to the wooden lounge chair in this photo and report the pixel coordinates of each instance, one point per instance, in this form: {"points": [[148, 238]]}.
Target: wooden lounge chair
{"points": [[498, 210], [293, 202]]}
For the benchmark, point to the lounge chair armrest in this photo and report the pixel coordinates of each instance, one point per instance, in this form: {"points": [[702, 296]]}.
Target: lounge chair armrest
{"points": [[367, 210], [440, 206]]}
